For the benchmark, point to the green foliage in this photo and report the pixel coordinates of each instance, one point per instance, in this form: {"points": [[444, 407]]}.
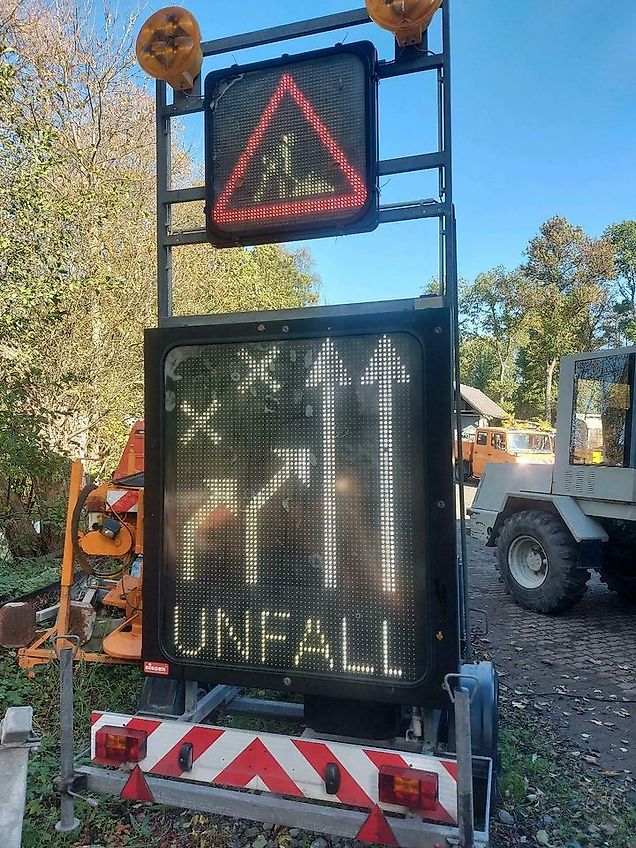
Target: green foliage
{"points": [[538, 774], [77, 255], [492, 312], [27, 575], [97, 687], [623, 239], [517, 324]]}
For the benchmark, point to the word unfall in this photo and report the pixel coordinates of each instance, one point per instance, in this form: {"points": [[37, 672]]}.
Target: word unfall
{"points": [[278, 638]]}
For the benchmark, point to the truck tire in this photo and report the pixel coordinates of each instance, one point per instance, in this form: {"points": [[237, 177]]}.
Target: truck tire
{"points": [[619, 575], [537, 559]]}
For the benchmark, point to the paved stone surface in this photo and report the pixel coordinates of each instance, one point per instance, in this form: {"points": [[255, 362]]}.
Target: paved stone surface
{"points": [[578, 669]]}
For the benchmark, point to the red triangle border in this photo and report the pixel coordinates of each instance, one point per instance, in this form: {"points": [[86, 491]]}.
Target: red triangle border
{"points": [[223, 214]]}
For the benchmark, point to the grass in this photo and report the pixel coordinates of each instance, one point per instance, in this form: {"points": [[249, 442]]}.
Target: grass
{"points": [[115, 688], [27, 575], [550, 792]]}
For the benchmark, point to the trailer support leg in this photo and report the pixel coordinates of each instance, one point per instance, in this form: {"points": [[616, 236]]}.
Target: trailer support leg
{"points": [[68, 822], [465, 809]]}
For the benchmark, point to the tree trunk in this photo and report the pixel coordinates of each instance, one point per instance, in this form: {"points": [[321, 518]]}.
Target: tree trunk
{"points": [[549, 379], [502, 376], [18, 528]]}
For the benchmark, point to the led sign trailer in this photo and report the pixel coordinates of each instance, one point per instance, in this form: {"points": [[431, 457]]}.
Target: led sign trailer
{"points": [[299, 503], [291, 147]]}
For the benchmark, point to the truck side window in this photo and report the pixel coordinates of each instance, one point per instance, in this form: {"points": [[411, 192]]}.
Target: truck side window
{"points": [[499, 441], [482, 438], [602, 411]]}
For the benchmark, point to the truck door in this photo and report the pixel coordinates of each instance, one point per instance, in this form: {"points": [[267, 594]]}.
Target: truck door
{"points": [[480, 453]]}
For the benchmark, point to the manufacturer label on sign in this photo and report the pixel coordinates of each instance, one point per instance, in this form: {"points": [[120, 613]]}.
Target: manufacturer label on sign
{"points": [[156, 668], [291, 147]]}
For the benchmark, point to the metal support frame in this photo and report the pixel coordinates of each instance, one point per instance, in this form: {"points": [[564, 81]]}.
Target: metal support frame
{"points": [[407, 61], [198, 708], [273, 809]]}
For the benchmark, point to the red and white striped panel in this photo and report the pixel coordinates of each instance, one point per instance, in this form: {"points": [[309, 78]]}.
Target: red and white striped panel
{"points": [[122, 500], [282, 764]]}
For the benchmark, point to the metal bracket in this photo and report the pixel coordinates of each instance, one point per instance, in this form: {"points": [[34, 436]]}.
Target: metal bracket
{"points": [[459, 677], [73, 642]]}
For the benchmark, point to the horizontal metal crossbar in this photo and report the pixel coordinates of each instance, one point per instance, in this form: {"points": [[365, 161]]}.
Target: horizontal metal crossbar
{"points": [[422, 62], [409, 211], [298, 29], [407, 164], [183, 195], [413, 211], [387, 167], [273, 809]]}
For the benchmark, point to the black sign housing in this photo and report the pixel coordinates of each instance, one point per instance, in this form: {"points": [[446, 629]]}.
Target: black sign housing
{"points": [[299, 520], [291, 147]]}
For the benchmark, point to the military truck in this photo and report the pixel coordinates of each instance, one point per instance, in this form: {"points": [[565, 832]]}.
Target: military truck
{"points": [[553, 524], [522, 445]]}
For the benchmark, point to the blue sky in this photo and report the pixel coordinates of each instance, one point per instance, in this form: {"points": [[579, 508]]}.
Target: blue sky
{"points": [[544, 123]]}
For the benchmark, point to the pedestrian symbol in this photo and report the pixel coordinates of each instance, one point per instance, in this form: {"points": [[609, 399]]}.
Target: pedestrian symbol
{"points": [[289, 150]]}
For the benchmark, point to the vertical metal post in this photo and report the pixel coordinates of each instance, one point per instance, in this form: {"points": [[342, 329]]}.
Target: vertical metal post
{"points": [[463, 742], [67, 822], [15, 744], [452, 293], [164, 214]]}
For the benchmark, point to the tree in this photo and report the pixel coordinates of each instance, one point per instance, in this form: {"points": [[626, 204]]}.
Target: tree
{"points": [[77, 242], [623, 239], [492, 312], [566, 297]]}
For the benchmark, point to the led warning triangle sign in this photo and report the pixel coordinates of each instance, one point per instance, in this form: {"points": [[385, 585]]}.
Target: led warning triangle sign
{"points": [[282, 191]]}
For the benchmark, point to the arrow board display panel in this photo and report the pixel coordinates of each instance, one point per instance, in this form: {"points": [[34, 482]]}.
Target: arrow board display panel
{"points": [[291, 147], [295, 471]]}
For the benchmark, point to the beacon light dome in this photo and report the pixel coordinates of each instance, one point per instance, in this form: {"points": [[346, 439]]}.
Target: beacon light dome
{"points": [[169, 47], [407, 19]]}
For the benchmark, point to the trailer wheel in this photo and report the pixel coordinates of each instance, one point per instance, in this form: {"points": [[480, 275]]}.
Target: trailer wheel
{"points": [[620, 576], [537, 559]]}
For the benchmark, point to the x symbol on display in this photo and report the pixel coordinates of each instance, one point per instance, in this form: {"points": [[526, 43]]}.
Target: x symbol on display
{"points": [[258, 370], [200, 423]]}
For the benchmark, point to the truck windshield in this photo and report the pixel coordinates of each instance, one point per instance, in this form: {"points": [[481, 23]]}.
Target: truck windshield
{"points": [[533, 442], [602, 411]]}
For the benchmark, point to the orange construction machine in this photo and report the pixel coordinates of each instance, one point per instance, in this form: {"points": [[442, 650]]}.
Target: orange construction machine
{"points": [[104, 537]]}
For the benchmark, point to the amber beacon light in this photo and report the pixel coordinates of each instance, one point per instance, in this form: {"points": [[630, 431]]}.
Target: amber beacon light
{"points": [[169, 47], [407, 19]]}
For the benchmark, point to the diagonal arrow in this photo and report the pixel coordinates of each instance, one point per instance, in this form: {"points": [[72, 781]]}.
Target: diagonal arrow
{"points": [[222, 493], [385, 368], [328, 372], [296, 463]]}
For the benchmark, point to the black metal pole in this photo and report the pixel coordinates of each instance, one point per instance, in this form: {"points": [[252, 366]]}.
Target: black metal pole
{"points": [[163, 168]]}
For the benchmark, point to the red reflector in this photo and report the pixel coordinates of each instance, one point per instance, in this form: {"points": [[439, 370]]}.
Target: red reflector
{"points": [[408, 787], [117, 745]]}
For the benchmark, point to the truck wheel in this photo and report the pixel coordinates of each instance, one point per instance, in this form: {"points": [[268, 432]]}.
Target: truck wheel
{"points": [[620, 574], [537, 559]]}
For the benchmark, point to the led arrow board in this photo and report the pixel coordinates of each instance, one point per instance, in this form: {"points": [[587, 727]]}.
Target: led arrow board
{"points": [[299, 505], [291, 147]]}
